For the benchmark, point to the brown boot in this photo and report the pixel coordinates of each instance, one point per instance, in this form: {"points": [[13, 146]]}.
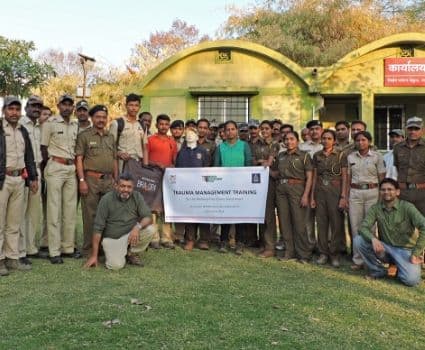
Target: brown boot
{"points": [[203, 246], [134, 259], [3, 269], [189, 245], [266, 253]]}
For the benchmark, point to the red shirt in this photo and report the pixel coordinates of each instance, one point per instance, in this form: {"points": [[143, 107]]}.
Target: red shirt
{"points": [[162, 150]]}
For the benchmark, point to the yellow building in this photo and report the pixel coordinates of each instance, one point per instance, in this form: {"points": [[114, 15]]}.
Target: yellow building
{"points": [[382, 83]]}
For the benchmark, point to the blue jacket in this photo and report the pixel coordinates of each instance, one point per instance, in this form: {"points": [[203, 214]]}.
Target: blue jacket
{"points": [[192, 158]]}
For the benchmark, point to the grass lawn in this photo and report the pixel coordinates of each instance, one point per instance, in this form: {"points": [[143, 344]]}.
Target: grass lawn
{"points": [[205, 300]]}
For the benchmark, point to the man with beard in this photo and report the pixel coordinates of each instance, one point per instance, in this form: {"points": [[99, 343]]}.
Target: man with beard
{"points": [[123, 224], [82, 114], [33, 212]]}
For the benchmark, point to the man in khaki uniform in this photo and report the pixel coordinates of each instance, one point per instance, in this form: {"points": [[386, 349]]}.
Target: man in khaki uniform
{"points": [[58, 138], [129, 135], [33, 212], [16, 165], [82, 114], [97, 168]]}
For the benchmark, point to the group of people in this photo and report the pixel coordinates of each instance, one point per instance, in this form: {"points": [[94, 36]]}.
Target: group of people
{"points": [[50, 164]]}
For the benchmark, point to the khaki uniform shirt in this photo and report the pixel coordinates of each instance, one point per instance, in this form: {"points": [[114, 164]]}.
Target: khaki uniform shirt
{"points": [[311, 147], [365, 170], [295, 165], [81, 129], [329, 167], [15, 147], [341, 146], [98, 150], [132, 138], [210, 147], [34, 132], [59, 137], [410, 162], [261, 150]]}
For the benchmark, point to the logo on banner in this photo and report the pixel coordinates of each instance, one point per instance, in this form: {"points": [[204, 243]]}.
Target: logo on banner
{"points": [[211, 178], [256, 178], [172, 179]]}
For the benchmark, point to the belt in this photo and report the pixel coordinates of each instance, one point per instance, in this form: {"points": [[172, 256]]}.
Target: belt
{"points": [[411, 186], [98, 175], [333, 182], [363, 186], [63, 161], [291, 181], [16, 173]]}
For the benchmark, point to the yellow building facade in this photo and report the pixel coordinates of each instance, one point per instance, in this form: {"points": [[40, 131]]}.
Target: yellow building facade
{"points": [[380, 83]]}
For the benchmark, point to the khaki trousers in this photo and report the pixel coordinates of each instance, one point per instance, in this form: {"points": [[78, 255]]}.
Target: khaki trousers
{"points": [[32, 220], [116, 249], [61, 207], [163, 232], [360, 202], [97, 189], [268, 229], [11, 208], [43, 232]]}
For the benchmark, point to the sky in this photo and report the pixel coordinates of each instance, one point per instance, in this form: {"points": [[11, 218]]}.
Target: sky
{"points": [[105, 30]]}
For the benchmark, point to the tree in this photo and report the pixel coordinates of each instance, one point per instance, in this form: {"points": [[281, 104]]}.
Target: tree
{"points": [[19, 73], [319, 32], [163, 44]]}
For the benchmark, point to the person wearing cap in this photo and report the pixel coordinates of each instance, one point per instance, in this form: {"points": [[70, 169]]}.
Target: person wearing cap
{"points": [[97, 168], [17, 166], [396, 136], [213, 131], [314, 145], [254, 132], [177, 131], [33, 210], [129, 133], [243, 132], [82, 114], [58, 138]]}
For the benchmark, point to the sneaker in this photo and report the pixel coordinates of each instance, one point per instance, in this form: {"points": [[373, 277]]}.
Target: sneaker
{"points": [[15, 264], [75, 255], [322, 259], [24, 260], [222, 247], [134, 259], [168, 245], [335, 261], [189, 245], [239, 249], [203, 246], [3, 269]]}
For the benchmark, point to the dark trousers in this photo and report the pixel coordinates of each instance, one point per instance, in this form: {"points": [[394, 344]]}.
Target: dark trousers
{"points": [[225, 228]]}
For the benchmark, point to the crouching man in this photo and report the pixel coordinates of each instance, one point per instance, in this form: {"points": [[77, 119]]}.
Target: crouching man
{"points": [[398, 242], [123, 225]]}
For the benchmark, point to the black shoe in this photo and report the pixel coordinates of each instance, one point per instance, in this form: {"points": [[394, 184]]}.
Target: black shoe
{"points": [[41, 254], [25, 261], [76, 254], [56, 260]]}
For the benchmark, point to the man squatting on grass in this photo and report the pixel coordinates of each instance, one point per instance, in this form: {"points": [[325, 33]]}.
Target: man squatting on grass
{"points": [[123, 224], [397, 242]]}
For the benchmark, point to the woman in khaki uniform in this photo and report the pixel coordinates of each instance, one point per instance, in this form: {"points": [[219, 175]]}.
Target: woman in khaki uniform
{"points": [[294, 172], [328, 196], [264, 152], [365, 170]]}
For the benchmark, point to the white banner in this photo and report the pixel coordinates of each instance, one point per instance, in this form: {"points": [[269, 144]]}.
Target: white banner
{"points": [[215, 195]]}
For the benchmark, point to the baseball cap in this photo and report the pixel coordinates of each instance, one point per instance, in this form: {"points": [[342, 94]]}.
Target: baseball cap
{"points": [[414, 122], [35, 100], [397, 132], [66, 97], [82, 104], [9, 100], [243, 126]]}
